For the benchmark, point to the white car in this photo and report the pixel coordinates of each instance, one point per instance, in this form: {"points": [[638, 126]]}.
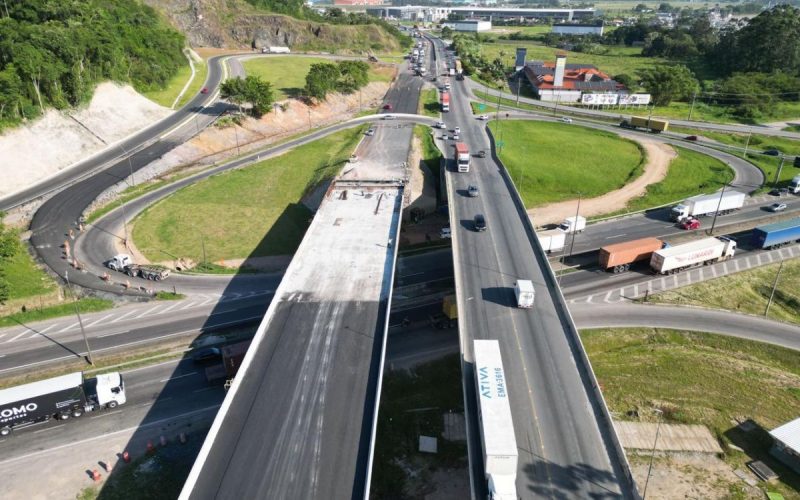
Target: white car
{"points": [[483, 117], [456, 137], [457, 130], [445, 232], [440, 125], [566, 119], [389, 117]]}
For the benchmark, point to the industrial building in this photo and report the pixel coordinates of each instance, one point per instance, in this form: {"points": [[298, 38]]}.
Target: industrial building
{"points": [[786, 447], [436, 14], [562, 82], [470, 25], [578, 29]]}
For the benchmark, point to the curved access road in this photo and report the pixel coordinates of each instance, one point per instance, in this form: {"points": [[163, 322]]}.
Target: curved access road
{"points": [[728, 323]]}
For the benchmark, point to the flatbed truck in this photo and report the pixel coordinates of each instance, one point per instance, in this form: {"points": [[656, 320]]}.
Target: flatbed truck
{"points": [[124, 264]]}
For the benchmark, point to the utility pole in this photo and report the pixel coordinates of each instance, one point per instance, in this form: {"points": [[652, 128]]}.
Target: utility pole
{"points": [[80, 320], [719, 204], [774, 286], [746, 144], [555, 108], [694, 96], [572, 243], [519, 83], [652, 454], [778, 173], [124, 224], [236, 131]]}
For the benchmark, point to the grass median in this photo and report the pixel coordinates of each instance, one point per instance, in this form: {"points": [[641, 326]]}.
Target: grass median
{"points": [[429, 103], [250, 212], [29, 315], [170, 92], [552, 162], [698, 378]]}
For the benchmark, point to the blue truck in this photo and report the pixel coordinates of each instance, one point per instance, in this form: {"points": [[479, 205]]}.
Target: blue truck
{"points": [[777, 234]]}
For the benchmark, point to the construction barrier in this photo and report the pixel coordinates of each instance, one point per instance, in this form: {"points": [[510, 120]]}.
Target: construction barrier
{"points": [[95, 475], [126, 457]]}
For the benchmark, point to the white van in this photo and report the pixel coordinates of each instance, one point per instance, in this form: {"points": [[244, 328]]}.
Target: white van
{"points": [[523, 289]]}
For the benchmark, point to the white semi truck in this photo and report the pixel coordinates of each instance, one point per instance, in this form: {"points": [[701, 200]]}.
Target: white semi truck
{"points": [[552, 240], [575, 224], [707, 204], [462, 157], [674, 259], [794, 186], [498, 441], [63, 397]]}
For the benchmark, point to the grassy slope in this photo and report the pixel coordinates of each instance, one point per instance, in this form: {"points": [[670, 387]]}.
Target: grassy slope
{"points": [[746, 292], [254, 211], [594, 163], [689, 174], [167, 95], [722, 114], [430, 153], [25, 279], [85, 305], [700, 379], [288, 74]]}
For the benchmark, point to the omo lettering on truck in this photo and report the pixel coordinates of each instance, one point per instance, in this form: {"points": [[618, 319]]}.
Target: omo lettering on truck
{"points": [[15, 412]]}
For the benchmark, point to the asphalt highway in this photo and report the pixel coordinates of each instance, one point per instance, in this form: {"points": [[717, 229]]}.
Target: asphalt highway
{"points": [[563, 451]]}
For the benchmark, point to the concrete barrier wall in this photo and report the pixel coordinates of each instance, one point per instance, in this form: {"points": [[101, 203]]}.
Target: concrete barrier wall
{"points": [[582, 362]]}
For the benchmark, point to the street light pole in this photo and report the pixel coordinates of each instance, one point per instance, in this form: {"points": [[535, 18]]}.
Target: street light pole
{"points": [[719, 204], [80, 320], [694, 96], [652, 454], [778, 173], [572, 243], [774, 286], [746, 144]]}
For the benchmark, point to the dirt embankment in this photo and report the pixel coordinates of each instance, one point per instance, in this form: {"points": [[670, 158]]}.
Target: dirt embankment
{"points": [[659, 156]]}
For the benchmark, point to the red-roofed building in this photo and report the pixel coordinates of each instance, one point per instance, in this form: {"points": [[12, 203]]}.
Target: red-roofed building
{"points": [[564, 82]]}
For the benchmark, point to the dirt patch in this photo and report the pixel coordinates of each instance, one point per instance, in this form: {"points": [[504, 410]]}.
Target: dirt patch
{"points": [[114, 113], [659, 156]]}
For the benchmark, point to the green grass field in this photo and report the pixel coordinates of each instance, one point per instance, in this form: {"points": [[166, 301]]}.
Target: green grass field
{"points": [[697, 378], [24, 277], [429, 103], [690, 173], [722, 114], [167, 95], [288, 74], [85, 305], [756, 142], [430, 153], [545, 170], [746, 292], [255, 211]]}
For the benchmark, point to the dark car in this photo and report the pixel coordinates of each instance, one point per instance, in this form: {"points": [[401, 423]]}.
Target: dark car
{"points": [[387, 106], [204, 91], [772, 152], [479, 223], [472, 191], [481, 154], [779, 192], [691, 137], [206, 355]]}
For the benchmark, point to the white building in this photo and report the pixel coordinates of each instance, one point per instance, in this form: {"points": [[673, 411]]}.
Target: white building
{"points": [[578, 29], [787, 444], [472, 25]]}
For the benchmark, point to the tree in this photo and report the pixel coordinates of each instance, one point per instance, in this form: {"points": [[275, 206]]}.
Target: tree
{"points": [[447, 32], [627, 80], [321, 79], [252, 91], [353, 76], [233, 90], [668, 83]]}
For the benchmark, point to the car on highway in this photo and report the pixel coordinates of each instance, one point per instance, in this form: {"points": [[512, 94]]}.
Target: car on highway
{"points": [[779, 192], [370, 132], [445, 233], [479, 223], [772, 152], [691, 138], [440, 125], [566, 119], [387, 106], [777, 207], [455, 137], [483, 117], [204, 91], [481, 154], [389, 117], [690, 223], [457, 130], [206, 355], [472, 191]]}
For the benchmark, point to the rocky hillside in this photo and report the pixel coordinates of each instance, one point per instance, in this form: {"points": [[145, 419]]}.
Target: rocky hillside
{"points": [[236, 24]]}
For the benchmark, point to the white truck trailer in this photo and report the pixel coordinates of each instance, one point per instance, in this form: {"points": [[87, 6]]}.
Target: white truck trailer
{"points": [[498, 441], [552, 240], [276, 50], [794, 186], [524, 292], [707, 204], [574, 224], [674, 259]]}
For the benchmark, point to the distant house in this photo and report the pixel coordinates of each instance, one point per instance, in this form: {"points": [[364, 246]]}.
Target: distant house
{"points": [[564, 82], [786, 447], [578, 29]]}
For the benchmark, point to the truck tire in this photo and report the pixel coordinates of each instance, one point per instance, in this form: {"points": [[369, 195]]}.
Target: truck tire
{"points": [[77, 412], [111, 405], [64, 416], [131, 273], [5, 431]]}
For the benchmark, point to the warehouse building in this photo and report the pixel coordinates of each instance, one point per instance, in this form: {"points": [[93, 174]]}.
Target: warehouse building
{"points": [[578, 29], [786, 447], [470, 25]]}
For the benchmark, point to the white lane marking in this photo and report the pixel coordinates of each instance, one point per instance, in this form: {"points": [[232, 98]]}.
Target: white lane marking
{"points": [[3, 335], [147, 312], [2, 355], [203, 389], [179, 376], [126, 315], [177, 303], [187, 306], [112, 334], [24, 332], [99, 320], [73, 325], [615, 236], [105, 436], [49, 429], [105, 414], [608, 295], [49, 327]]}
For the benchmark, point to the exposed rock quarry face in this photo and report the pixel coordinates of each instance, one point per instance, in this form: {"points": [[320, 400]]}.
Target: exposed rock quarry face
{"points": [[235, 24]]}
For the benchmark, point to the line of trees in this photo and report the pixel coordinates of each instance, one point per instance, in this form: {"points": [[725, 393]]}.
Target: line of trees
{"points": [[53, 53], [345, 77]]}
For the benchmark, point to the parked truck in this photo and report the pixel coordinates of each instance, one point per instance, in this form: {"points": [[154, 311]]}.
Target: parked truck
{"points": [[462, 157], [232, 357], [652, 124], [707, 204], [671, 260], [619, 256], [445, 102], [575, 224], [524, 293], [498, 442], [124, 264], [777, 234], [552, 240], [794, 186], [276, 50], [459, 70], [60, 397]]}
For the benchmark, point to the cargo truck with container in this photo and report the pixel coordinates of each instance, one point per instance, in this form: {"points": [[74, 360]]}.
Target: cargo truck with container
{"points": [[445, 102], [794, 186], [652, 124], [524, 293], [552, 240], [62, 397], [777, 234], [462, 157], [498, 442], [620, 256], [575, 224], [707, 204], [671, 260], [459, 70]]}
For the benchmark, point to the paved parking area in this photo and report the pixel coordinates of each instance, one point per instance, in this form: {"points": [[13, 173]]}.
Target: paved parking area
{"points": [[671, 437]]}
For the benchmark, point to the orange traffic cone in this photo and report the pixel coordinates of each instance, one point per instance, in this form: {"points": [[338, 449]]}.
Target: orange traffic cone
{"points": [[95, 476]]}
